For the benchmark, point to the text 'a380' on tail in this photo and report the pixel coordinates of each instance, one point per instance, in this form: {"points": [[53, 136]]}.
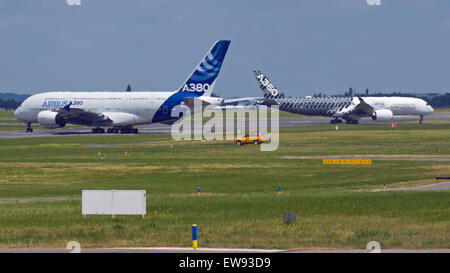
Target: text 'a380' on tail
{"points": [[202, 80]]}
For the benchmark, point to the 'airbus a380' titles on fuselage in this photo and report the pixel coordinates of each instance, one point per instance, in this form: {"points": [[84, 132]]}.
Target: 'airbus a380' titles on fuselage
{"points": [[123, 110], [350, 109]]}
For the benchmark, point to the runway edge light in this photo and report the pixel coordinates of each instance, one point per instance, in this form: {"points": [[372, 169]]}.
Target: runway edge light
{"points": [[194, 236]]}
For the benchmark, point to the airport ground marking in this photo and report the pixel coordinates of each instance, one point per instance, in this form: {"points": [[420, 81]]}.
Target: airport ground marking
{"points": [[347, 162]]}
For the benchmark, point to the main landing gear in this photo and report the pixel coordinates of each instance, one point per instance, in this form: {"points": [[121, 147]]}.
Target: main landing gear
{"points": [[116, 130], [352, 121], [336, 121], [98, 130], [421, 119], [29, 129]]}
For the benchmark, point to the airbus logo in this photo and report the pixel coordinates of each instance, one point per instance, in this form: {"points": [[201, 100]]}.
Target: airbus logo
{"points": [[60, 103]]}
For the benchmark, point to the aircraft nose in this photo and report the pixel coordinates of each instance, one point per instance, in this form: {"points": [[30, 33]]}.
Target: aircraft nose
{"points": [[18, 113]]}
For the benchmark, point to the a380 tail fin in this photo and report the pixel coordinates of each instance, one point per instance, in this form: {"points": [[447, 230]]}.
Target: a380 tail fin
{"points": [[268, 89], [203, 78]]}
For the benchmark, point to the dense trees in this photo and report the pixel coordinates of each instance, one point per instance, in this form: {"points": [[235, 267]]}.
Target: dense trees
{"points": [[9, 104]]}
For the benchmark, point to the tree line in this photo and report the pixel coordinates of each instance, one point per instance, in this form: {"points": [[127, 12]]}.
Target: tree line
{"points": [[9, 104]]}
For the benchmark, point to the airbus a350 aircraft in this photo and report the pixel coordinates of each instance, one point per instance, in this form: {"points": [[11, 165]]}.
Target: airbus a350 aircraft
{"points": [[123, 110], [350, 109]]}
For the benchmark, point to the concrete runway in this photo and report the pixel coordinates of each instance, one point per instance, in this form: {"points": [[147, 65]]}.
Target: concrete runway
{"points": [[158, 128], [443, 186]]}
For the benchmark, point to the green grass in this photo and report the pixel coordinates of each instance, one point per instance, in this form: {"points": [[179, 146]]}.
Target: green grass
{"points": [[7, 116], [239, 205], [442, 110]]}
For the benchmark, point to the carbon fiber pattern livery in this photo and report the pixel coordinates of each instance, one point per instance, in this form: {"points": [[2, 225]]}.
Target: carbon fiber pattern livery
{"points": [[324, 106], [269, 90]]}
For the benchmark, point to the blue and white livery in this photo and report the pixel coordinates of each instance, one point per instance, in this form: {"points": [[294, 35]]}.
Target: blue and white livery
{"points": [[122, 110]]}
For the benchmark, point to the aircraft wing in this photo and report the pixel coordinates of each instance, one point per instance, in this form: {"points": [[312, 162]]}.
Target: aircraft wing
{"points": [[247, 99], [362, 109], [81, 116]]}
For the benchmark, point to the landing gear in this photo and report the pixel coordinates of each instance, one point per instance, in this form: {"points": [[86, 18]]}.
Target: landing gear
{"points": [[123, 130], [29, 129], [421, 119], [113, 130], [98, 130], [352, 121], [336, 121]]}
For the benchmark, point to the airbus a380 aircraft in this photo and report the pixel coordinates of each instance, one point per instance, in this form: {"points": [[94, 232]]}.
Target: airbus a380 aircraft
{"points": [[123, 110], [351, 109]]}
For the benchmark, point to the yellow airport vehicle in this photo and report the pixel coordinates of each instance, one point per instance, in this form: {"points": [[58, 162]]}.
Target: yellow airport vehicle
{"points": [[250, 138]]}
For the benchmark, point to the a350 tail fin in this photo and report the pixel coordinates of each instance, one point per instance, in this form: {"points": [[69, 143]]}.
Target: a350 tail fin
{"points": [[268, 89], [203, 78]]}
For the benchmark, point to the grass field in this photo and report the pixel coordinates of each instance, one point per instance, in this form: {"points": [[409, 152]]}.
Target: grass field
{"points": [[239, 205]]}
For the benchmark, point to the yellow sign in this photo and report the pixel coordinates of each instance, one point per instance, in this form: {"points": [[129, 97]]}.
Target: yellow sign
{"points": [[347, 161]]}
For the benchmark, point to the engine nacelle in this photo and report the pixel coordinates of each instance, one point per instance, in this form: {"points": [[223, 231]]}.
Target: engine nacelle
{"points": [[212, 100], [382, 115], [50, 119]]}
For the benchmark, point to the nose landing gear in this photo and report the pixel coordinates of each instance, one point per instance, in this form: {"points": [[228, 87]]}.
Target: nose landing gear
{"points": [[29, 129]]}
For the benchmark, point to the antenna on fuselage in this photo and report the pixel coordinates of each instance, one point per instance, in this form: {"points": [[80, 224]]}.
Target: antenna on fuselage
{"points": [[128, 88]]}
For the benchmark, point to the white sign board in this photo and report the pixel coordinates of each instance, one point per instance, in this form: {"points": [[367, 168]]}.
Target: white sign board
{"points": [[113, 202]]}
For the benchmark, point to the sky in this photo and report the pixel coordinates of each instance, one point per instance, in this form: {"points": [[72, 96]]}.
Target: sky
{"points": [[303, 46]]}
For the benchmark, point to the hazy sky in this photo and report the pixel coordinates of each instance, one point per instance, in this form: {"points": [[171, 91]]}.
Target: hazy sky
{"points": [[304, 46]]}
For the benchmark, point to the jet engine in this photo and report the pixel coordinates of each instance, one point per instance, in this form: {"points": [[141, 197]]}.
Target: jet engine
{"points": [[382, 115], [50, 119]]}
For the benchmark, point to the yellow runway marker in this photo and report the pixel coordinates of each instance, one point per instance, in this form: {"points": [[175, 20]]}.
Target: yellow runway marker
{"points": [[347, 161]]}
